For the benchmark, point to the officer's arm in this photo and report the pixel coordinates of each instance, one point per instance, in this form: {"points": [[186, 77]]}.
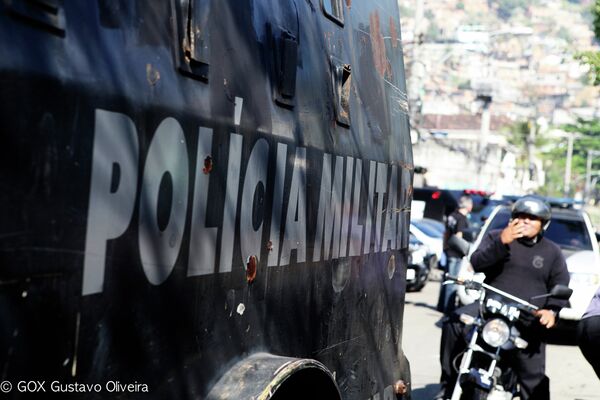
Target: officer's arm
{"points": [[490, 252], [559, 275]]}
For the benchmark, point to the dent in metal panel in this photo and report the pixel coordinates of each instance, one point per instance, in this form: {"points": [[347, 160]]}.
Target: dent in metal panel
{"points": [[203, 239], [295, 229], [167, 155], [230, 205], [277, 207], [256, 176], [116, 148]]}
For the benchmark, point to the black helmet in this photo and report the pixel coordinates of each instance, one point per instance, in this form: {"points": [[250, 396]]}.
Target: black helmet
{"points": [[533, 206]]}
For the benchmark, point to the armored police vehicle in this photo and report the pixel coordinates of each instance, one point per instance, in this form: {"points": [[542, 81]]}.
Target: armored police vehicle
{"points": [[203, 199]]}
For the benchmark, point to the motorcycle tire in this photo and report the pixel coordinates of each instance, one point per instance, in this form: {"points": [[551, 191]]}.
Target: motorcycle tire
{"points": [[474, 394]]}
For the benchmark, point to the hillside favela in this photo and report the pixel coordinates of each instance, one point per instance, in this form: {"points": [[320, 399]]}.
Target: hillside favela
{"points": [[499, 92]]}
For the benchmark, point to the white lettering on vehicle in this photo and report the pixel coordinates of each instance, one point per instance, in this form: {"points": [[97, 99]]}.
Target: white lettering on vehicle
{"points": [[340, 231]]}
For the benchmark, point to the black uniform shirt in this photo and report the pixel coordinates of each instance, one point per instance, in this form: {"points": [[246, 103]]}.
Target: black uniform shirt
{"points": [[521, 270]]}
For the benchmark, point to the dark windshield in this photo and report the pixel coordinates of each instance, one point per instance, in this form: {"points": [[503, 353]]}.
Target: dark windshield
{"points": [[569, 234], [478, 218], [427, 229]]}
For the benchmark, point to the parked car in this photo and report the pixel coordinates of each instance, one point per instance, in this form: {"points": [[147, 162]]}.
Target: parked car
{"points": [[419, 259], [478, 217], [430, 235], [433, 224], [572, 231], [436, 204]]}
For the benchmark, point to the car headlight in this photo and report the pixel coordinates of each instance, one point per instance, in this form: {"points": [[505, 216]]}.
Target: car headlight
{"points": [[578, 278], [496, 332]]}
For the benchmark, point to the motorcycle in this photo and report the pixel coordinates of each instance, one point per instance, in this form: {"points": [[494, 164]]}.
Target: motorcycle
{"points": [[482, 375]]}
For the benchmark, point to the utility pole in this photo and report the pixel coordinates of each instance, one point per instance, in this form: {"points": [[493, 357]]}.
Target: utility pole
{"points": [[417, 69], [485, 97], [567, 188], [588, 174], [530, 151]]}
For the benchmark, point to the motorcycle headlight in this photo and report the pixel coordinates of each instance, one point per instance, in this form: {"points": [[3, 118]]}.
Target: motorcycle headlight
{"points": [[496, 332]]}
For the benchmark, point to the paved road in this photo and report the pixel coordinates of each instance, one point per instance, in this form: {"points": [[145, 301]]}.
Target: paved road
{"points": [[571, 377]]}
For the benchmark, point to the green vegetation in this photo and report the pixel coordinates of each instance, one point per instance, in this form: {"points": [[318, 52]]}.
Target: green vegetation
{"points": [[586, 137], [433, 32], [592, 58], [506, 8], [586, 134], [464, 84], [564, 34], [406, 11]]}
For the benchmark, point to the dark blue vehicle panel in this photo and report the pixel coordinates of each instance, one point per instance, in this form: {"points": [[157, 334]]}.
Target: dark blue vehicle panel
{"points": [[188, 183]]}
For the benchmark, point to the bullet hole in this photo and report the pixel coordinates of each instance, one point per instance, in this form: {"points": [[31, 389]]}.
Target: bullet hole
{"points": [[270, 246], [208, 165], [241, 308], [251, 264], [400, 387]]}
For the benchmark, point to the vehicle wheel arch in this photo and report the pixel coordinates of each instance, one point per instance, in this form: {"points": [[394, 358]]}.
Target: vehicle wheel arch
{"points": [[264, 376]]}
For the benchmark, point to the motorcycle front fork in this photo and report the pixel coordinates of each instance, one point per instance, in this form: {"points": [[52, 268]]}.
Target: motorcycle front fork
{"points": [[465, 365]]}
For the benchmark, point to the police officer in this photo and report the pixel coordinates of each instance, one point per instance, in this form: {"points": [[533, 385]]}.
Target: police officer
{"points": [[520, 261], [456, 225], [588, 333]]}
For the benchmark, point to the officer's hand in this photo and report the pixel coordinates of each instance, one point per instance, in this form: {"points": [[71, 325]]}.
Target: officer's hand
{"points": [[513, 231], [547, 318]]}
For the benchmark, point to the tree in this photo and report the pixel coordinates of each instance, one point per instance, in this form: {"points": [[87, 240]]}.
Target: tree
{"points": [[592, 58], [587, 137]]}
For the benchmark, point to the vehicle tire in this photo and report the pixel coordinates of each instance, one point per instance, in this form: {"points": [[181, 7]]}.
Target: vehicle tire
{"points": [[474, 393], [422, 280]]}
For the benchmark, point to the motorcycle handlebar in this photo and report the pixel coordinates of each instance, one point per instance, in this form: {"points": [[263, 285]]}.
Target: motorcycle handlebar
{"points": [[467, 283], [471, 284]]}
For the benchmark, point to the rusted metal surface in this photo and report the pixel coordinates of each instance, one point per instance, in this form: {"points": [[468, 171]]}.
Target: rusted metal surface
{"points": [[147, 149]]}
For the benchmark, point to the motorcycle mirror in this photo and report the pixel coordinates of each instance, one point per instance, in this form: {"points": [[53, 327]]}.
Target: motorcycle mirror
{"points": [[561, 292]]}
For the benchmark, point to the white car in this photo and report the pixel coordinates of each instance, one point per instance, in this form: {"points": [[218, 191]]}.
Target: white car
{"points": [[429, 236], [572, 231]]}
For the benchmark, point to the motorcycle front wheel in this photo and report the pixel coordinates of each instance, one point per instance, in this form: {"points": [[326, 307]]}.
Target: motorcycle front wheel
{"points": [[474, 393]]}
